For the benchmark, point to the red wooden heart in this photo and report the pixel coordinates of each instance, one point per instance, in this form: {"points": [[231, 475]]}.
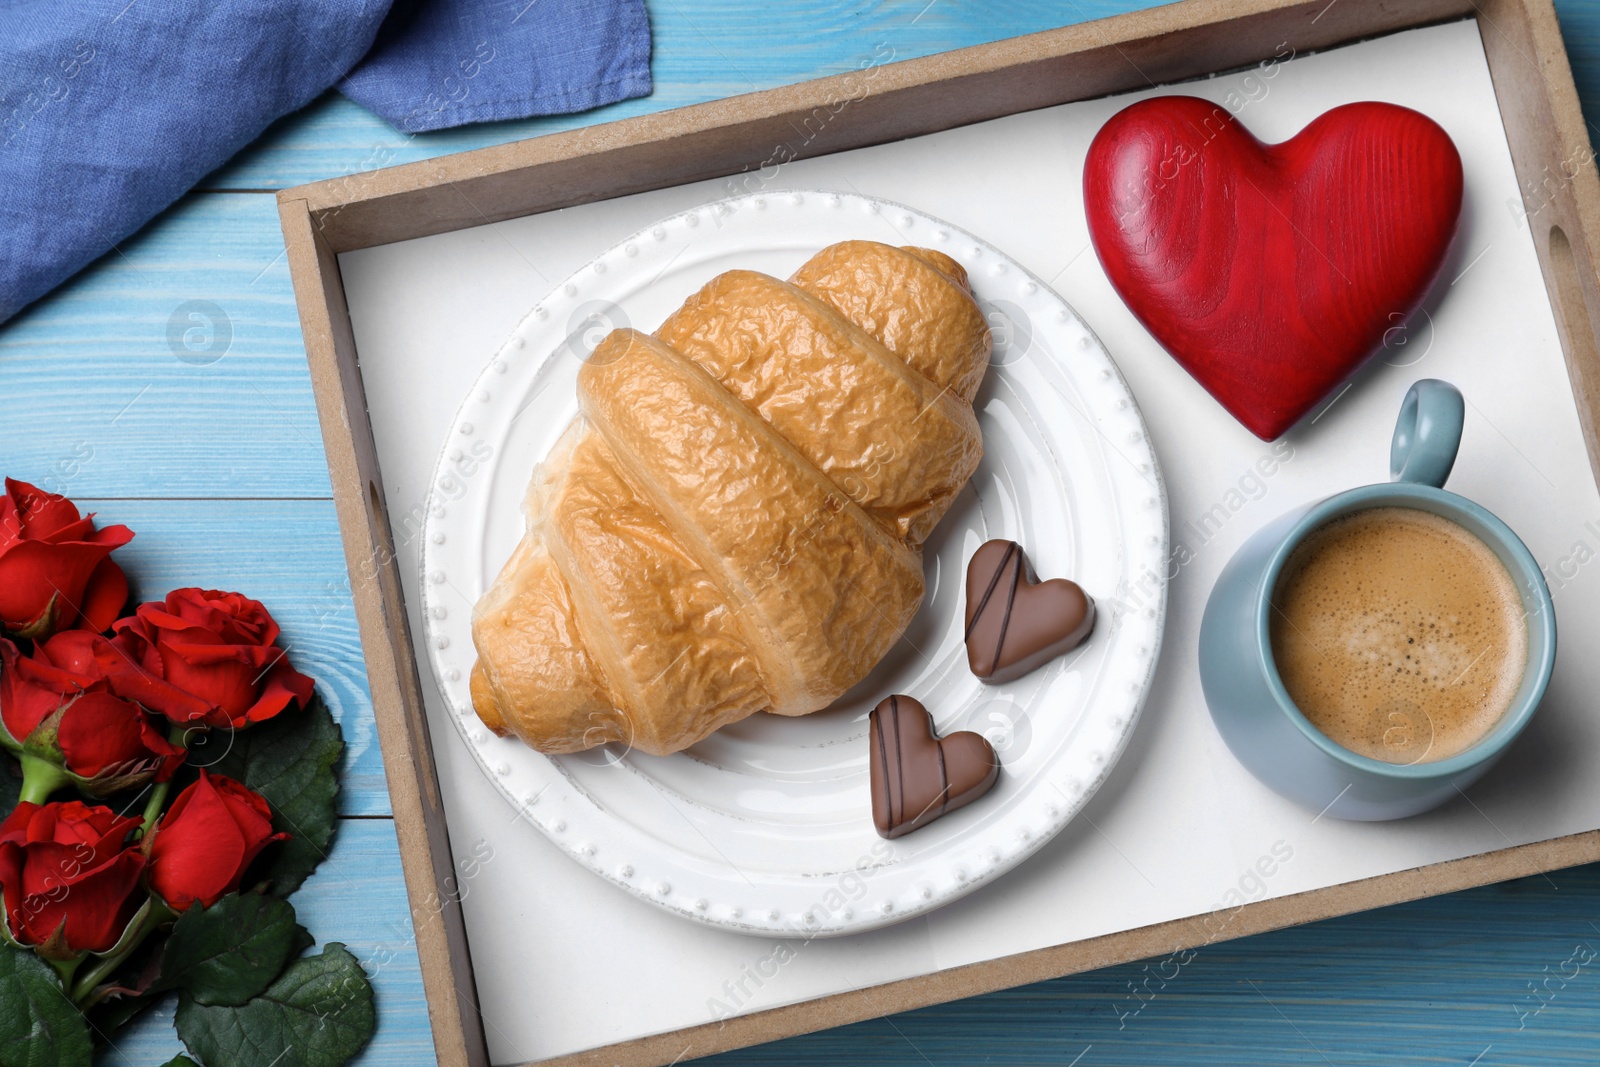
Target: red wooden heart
{"points": [[1271, 272]]}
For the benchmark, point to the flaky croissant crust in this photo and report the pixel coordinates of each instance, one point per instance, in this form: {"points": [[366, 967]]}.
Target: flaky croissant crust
{"points": [[734, 522]]}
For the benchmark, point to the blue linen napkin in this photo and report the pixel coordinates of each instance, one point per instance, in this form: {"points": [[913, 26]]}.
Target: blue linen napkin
{"points": [[111, 109], [437, 64]]}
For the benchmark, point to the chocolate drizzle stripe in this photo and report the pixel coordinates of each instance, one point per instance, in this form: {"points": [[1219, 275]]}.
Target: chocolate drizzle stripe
{"points": [[989, 592], [883, 757], [1011, 599], [899, 764]]}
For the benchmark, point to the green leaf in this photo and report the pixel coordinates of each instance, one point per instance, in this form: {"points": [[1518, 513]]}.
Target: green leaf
{"points": [[290, 760], [229, 952], [39, 1026], [180, 1060], [321, 1008]]}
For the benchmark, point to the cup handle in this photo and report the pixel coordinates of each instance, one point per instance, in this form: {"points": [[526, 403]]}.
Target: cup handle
{"points": [[1427, 434]]}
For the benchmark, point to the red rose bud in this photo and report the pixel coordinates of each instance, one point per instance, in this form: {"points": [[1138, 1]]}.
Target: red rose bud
{"points": [[74, 721], [55, 567], [105, 743], [201, 847], [70, 883], [219, 647]]}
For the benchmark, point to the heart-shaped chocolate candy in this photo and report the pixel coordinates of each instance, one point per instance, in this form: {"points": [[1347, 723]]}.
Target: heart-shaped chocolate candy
{"points": [[916, 776], [1016, 622]]}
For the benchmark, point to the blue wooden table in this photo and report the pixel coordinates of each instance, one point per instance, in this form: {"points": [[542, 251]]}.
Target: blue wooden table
{"points": [[216, 460]]}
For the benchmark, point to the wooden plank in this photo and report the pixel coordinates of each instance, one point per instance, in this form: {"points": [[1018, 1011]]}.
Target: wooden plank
{"points": [[286, 554], [103, 365], [356, 897], [703, 51]]}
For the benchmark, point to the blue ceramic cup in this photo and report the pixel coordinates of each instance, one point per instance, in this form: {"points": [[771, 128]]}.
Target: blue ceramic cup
{"points": [[1247, 697]]}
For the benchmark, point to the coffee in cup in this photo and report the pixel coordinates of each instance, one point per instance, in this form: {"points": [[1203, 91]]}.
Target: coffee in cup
{"points": [[1399, 634], [1243, 652]]}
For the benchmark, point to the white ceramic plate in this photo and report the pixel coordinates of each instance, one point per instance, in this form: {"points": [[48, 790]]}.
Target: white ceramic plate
{"points": [[766, 825]]}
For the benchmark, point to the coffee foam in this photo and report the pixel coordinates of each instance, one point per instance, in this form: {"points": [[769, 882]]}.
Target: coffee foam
{"points": [[1399, 634]]}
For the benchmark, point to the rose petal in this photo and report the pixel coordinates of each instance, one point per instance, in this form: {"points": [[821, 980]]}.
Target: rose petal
{"points": [[12, 856], [170, 755], [99, 731], [10, 520], [30, 690], [249, 808], [96, 906], [40, 513], [51, 865], [98, 827], [204, 647], [237, 618], [77, 530], [116, 535], [104, 597], [15, 826], [42, 824], [149, 618], [229, 684], [33, 572], [285, 685], [197, 850]]}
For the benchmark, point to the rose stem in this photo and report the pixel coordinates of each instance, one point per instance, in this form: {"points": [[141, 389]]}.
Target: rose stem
{"points": [[65, 968], [158, 795], [40, 778]]}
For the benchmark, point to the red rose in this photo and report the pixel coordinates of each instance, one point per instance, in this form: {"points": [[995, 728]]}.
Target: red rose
{"points": [[70, 883], [201, 847], [99, 736], [220, 648], [55, 567]]}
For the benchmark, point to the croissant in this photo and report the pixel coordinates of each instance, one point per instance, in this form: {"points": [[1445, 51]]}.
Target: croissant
{"points": [[734, 522]]}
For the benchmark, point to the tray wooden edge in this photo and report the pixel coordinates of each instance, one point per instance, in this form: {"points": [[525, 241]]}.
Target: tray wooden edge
{"points": [[1156, 46], [1556, 168], [419, 817], [1195, 933]]}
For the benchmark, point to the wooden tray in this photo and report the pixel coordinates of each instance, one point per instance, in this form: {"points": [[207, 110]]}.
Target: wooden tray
{"points": [[1554, 166]]}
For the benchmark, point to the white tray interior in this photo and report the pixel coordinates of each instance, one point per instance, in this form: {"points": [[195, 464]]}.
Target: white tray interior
{"points": [[566, 962]]}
